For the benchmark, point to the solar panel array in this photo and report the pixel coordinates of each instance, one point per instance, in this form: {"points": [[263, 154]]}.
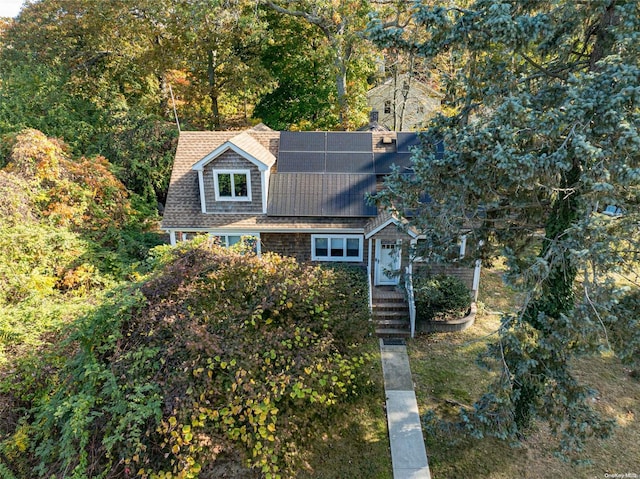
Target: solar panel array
{"points": [[325, 152], [383, 162], [406, 142], [331, 173]]}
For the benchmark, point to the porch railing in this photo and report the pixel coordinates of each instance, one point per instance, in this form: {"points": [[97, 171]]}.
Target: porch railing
{"points": [[370, 289], [408, 284]]}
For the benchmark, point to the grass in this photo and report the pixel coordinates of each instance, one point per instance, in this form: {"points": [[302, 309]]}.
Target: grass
{"points": [[353, 442], [445, 376]]}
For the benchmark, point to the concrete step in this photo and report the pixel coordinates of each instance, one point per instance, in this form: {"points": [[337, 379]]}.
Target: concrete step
{"points": [[390, 298], [390, 306], [392, 333], [403, 313], [399, 323]]}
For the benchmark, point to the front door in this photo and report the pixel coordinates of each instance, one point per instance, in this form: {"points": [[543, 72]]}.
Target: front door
{"points": [[387, 263]]}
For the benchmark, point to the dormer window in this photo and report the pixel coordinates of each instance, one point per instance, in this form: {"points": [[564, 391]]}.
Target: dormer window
{"points": [[232, 185]]}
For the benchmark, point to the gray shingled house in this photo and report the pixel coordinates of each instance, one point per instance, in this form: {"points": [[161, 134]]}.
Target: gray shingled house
{"points": [[300, 194]]}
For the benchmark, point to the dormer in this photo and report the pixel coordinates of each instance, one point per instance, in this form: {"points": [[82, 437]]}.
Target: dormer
{"points": [[234, 178]]}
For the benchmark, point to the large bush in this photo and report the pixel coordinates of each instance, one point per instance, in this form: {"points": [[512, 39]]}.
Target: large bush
{"points": [[221, 355], [68, 230], [440, 297]]}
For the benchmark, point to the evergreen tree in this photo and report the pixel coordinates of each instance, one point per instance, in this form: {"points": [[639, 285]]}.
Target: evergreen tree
{"points": [[543, 136]]}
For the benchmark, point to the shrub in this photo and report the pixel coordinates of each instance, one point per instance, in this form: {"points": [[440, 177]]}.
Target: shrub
{"points": [[219, 354], [440, 297]]}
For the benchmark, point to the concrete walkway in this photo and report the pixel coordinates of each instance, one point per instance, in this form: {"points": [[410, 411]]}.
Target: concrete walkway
{"points": [[408, 454]]}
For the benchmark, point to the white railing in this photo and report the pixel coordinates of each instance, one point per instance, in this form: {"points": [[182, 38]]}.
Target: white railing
{"points": [[408, 284], [370, 290]]}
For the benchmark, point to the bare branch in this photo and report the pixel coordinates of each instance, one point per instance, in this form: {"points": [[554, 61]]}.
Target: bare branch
{"points": [[542, 69]]}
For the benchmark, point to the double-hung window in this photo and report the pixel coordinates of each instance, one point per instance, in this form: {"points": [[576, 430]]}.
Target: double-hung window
{"points": [[232, 185], [336, 247]]}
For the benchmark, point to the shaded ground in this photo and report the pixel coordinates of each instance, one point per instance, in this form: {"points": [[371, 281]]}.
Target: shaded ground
{"points": [[446, 377]]}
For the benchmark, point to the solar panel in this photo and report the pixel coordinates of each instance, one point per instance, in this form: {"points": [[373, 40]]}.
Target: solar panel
{"points": [[330, 152], [383, 161], [352, 141], [349, 162], [407, 141], [440, 150], [301, 161], [302, 141]]}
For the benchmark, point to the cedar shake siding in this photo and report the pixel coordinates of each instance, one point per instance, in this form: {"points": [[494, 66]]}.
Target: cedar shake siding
{"points": [[464, 274], [391, 232], [230, 160], [296, 245]]}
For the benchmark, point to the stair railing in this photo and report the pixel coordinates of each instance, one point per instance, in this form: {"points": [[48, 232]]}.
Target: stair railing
{"points": [[370, 289], [408, 284]]}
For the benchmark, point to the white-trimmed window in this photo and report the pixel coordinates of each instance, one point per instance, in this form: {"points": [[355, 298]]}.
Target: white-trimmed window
{"points": [[232, 185], [250, 240], [336, 247]]}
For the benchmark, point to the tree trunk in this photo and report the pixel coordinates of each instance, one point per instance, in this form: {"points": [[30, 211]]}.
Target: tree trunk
{"points": [[556, 299], [341, 85], [213, 90]]}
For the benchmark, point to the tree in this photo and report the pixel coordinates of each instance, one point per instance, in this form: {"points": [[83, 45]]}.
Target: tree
{"points": [[217, 45], [304, 77], [342, 24], [543, 135], [64, 72]]}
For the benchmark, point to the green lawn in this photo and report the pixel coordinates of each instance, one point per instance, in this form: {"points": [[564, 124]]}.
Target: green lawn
{"points": [[445, 375]]}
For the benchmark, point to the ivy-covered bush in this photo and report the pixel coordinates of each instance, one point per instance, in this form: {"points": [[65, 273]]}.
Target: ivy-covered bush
{"points": [[219, 355], [440, 297]]}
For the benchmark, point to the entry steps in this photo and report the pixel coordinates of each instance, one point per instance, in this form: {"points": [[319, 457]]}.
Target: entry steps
{"points": [[390, 313]]}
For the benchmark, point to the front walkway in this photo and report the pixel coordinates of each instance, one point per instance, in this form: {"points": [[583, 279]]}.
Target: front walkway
{"points": [[408, 454]]}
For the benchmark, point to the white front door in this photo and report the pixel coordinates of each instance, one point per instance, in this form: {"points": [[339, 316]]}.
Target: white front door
{"points": [[387, 262]]}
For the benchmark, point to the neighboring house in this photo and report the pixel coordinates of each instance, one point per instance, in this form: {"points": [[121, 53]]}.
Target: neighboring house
{"points": [[300, 194], [403, 103]]}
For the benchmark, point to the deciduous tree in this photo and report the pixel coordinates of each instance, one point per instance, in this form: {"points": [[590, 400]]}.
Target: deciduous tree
{"points": [[342, 24]]}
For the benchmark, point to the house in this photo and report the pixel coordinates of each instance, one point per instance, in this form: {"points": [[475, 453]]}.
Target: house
{"points": [[403, 103], [300, 194]]}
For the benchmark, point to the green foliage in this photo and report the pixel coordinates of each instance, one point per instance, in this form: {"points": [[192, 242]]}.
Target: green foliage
{"points": [[340, 27], [37, 259], [623, 325], [218, 353], [142, 148], [440, 297], [67, 231], [542, 131], [302, 97]]}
